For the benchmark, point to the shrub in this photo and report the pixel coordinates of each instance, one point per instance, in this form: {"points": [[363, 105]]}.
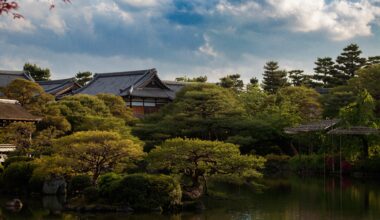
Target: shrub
{"points": [[370, 166], [108, 184], [276, 164], [1, 168], [306, 164], [91, 194], [79, 183], [17, 175], [14, 159], [36, 183], [146, 192]]}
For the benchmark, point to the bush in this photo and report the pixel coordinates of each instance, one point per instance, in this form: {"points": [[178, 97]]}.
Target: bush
{"points": [[145, 192], [368, 166], [91, 194], [307, 164], [36, 183], [79, 183], [108, 184], [1, 168], [14, 159], [276, 164], [17, 175]]}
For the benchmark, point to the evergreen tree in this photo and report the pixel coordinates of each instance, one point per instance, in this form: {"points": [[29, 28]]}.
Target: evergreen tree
{"points": [[349, 61], [254, 81], [83, 77], [232, 82], [325, 74], [274, 78], [373, 61], [199, 79], [38, 73], [297, 77]]}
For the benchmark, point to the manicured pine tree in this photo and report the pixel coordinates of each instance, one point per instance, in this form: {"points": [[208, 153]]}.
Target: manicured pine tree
{"points": [[83, 77], [349, 61], [274, 78], [325, 74]]}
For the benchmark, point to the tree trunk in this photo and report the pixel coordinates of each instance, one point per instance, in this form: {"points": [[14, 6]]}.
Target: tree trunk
{"points": [[365, 147]]}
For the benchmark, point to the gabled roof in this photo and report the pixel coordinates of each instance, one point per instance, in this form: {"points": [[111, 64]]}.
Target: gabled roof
{"points": [[130, 83], [7, 76], [57, 87], [13, 111]]}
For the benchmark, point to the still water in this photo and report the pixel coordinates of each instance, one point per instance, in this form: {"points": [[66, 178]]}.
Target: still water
{"points": [[292, 198]]}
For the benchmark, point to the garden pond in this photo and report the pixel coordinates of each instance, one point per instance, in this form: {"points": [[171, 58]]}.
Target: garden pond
{"points": [[293, 198]]}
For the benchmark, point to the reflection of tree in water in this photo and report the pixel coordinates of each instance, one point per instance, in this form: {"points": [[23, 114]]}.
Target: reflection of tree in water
{"points": [[54, 203]]}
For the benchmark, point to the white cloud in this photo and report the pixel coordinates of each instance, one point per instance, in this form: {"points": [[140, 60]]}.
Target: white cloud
{"points": [[340, 19], [144, 3], [21, 25], [207, 49]]}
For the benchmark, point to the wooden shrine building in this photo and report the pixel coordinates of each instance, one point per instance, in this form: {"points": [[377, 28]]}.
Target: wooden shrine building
{"points": [[143, 90]]}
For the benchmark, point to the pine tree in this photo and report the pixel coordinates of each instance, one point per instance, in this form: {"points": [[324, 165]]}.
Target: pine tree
{"points": [[349, 61], [274, 78], [83, 77], [373, 61], [38, 73], [325, 74], [232, 82], [296, 77]]}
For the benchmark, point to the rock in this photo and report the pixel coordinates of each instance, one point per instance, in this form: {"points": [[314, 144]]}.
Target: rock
{"points": [[54, 186]]}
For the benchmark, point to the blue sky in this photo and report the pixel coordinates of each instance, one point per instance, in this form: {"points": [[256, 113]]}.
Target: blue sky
{"points": [[185, 38]]}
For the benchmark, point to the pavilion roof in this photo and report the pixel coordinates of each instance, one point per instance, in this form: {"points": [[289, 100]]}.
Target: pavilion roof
{"points": [[11, 110], [354, 130], [313, 126]]}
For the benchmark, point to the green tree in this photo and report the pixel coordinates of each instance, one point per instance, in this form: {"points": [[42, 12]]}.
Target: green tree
{"points": [[199, 79], [38, 73], [20, 135], [326, 75], [349, 61], [30, 95], [232, 82], [118, 107], [360, 113], [369, 79], [203, 110], [196, 160], [274, 78], [305, 100], [83, 77], [373, 61], [97, 152], [296, 77]]}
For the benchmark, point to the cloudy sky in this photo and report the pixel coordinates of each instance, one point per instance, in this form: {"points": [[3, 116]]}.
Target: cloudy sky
{"points": [[185, 37]]}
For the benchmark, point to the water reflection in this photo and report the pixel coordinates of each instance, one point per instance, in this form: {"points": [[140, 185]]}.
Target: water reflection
{"points": [[286, 199]]}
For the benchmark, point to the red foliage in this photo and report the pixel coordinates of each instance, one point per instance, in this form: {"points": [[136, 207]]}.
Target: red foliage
{"points": [[9, 7]]}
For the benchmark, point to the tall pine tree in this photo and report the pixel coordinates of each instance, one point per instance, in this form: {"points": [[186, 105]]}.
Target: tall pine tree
{"points": [[349, 61], [325, 74], [273, 77], [296, 77]]}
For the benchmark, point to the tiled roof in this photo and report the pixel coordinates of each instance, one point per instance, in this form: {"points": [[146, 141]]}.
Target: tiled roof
{"points": [[132, 83], [7, 76], [56, 86]]}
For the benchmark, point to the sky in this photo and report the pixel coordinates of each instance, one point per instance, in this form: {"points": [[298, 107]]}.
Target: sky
{"points": [[185, 37]]}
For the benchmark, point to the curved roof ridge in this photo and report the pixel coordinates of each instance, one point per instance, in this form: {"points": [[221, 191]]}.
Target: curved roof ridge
{"points": [[123, 73]]}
